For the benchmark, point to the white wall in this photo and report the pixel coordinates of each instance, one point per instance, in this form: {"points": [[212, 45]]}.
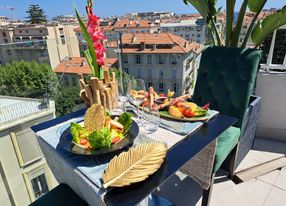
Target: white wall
{"points": [[272, 122]]}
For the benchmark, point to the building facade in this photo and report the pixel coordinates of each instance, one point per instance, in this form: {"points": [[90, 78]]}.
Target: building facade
{"points": [[164, 61], [24, 174], [41, 43]]}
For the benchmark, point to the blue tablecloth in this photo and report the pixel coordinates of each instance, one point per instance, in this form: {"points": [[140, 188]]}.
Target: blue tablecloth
{"points": [[83, 173]]}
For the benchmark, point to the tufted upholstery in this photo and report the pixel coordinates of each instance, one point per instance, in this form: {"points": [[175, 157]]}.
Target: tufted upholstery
{"points": [[226, 78]]}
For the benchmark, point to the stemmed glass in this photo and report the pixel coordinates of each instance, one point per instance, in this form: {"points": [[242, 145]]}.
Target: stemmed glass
{"points": [[123, 91], [136, 95]]}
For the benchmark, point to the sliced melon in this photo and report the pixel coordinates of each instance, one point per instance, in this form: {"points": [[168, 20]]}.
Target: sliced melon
{"points": [[174, 111]]}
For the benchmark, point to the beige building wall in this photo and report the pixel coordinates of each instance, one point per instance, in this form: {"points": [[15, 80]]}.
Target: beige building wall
{"points": [[21, 160], [61, 42]]}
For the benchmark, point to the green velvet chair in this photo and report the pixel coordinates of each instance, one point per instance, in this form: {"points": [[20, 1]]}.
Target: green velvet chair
{"points": [[59, 196], [226, 79]]}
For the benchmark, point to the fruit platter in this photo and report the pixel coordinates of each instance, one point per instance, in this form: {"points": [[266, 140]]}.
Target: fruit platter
{"points": [[99, 132], [176, 108]]}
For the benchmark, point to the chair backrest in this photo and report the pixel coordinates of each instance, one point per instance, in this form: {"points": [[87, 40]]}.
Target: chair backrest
{"points": [[226, 78]]}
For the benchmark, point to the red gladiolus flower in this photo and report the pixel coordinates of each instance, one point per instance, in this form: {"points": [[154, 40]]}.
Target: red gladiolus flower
{"points": [[96, 35]]}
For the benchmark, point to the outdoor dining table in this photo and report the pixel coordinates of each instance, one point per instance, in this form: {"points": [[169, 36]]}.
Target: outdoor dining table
{"points": [[71, 169]]}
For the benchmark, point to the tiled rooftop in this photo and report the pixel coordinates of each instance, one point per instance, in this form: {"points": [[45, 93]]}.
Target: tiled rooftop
{"points": [[170, 43], [77, 65]]}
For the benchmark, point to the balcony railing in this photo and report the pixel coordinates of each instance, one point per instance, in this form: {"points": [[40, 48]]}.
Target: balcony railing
{"points": [[19, 110]]}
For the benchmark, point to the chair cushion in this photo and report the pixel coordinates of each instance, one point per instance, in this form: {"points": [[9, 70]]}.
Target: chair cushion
{"points": [[59, 196], [226, 78], [226, 142]]}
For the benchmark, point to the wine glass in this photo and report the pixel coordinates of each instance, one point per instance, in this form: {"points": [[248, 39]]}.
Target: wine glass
{"points": [[122, 91], [152, 118], [136, 95]]}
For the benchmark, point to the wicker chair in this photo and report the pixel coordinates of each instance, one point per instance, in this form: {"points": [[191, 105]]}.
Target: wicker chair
{"points": [[226, 78]]}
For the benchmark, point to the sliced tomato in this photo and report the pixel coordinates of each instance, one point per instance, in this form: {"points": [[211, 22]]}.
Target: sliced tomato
{"points": [[188, 113], [115, 139], [83, 141], [206, 106]]}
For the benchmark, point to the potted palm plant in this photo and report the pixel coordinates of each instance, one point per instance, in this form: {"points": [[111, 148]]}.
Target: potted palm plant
{"points": [[258, 30]]}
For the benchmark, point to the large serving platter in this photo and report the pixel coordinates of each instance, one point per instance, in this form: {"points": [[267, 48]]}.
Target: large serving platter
{"points": [[66, 142]]}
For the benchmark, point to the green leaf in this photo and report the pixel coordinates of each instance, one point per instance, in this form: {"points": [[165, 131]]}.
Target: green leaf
{"points": [[236, 33], [229, 20], [256, 5], [95, 68], [200, 5], [267, 25]]}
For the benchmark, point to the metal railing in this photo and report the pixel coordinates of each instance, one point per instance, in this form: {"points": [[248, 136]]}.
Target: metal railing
{"points": [[21, 109]]}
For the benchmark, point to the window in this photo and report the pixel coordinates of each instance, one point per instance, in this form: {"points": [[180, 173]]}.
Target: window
{"points": [[161, 87], [63, 39], [175, 87], [41, 31], [26, 147], [126, 70], [9, 52], [40, 186], [138, 73], [149, 74], [149, 59], [174, 74], [173, 59], [61, 30], [73, 81], [160, 59], [187, 36], [150, 84], [4, 34], [198, 35], [27, 31], [20, 31], [125, 58], [161, 73], [5, 40], [138, 59], [66, 80]]}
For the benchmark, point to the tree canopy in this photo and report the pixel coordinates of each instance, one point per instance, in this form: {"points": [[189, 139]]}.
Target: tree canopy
{"points": [[26, 79], [36, 15]]}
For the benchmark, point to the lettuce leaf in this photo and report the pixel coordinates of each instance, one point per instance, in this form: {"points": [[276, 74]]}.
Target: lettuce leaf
{"points": [[78, 132], [126, 120], [100, 139]]}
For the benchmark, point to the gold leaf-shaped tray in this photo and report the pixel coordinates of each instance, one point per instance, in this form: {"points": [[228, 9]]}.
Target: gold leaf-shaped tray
{"points": [[135, 165]]}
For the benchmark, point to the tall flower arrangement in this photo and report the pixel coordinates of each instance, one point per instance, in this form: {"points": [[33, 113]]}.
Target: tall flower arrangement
{"points": [[94, 37]]}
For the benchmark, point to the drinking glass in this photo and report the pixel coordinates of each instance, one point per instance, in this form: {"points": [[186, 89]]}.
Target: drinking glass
{"points": [[152, 118], [136, 95], [122, 91]]}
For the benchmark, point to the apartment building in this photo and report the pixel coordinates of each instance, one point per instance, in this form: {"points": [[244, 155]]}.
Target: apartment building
{"points": [[42, 43], [24, 173], [193, 29], [165, 61]]}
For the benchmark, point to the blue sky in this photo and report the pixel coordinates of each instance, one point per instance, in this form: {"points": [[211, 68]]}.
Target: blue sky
{"points": [[106, 8]]}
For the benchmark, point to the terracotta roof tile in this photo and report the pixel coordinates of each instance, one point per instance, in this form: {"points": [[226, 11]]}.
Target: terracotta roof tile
{"points": [[167, 43], [77, 65]]}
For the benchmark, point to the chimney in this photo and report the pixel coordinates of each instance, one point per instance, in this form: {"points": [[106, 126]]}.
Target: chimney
{"points": [[82, 63], [186, 44], [133, 38], [154, 47], [142, 45]]}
